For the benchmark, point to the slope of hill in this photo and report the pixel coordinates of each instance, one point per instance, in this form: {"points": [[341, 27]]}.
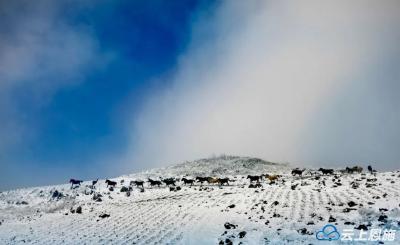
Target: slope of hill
{"points": [[222, 165], [291, 210]]}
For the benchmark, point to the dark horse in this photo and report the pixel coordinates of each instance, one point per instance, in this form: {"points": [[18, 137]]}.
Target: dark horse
{"points": [[154, 182], [169, 181], [94, 182], [254, 178], [370, 169], [326, 171], [75, 182], [201, 179], [111, 183], [297, 171], [188, 181], [137, 183], [222, 181]]}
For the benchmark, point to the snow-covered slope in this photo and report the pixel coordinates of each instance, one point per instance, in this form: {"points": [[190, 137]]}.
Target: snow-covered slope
{"points": [[290, 211], [222, 165]]}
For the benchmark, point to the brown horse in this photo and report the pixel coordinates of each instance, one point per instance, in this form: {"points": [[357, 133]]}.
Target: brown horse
{"points": [[272, 177], [212, 180]]}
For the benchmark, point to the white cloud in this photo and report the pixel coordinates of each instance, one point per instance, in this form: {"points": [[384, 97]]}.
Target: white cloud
{"points": [[258, 84]]}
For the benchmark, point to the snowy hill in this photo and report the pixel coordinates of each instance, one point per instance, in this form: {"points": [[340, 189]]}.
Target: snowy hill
{"points": [[291, 210], [222, 165]]}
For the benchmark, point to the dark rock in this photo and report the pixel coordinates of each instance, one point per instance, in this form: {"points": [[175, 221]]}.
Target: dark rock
{"points": [[57, 195], [79, 210], [231, 206], [97, 197], [331, 219], [361, 227], [349, 223], [275, 215], [383, 218], [257, 185], [90, 192], [229, 226], [228, 241], [352, 204], [242, 234], [104, 216], [304, 231], [124, 189]]}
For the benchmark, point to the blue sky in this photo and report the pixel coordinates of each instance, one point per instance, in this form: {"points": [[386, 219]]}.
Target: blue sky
{"points": [[68, 113], [145, 39], [102, 88]]}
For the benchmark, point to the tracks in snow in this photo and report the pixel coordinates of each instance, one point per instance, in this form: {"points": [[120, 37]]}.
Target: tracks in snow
{"points": [[162, 217]]}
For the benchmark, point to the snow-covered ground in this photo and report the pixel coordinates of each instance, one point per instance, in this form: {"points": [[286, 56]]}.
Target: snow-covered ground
{"points": [[291, 211]]}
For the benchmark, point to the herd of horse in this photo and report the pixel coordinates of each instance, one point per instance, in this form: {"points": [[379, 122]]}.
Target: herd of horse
{"points": [[330, 171], [173, 181], [223, 181]]}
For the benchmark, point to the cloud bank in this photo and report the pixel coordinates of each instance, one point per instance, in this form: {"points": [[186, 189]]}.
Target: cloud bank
{"points": [[308, 83]]}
